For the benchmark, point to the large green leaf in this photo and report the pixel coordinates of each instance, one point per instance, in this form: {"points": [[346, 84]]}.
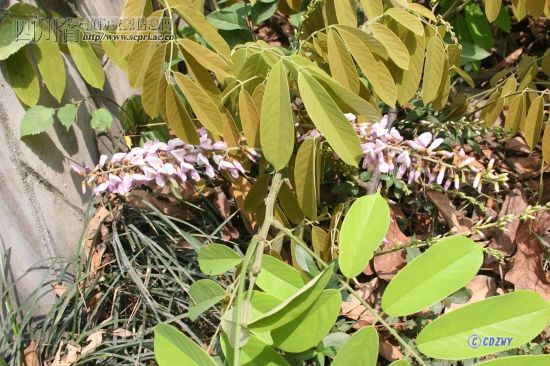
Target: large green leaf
{"points": [[535, 360], [341, 64], [178, 118], [215, 259], [434, 69], [364, 227], [255, 352], [278, 278], [174, 348], [435, 274], [311, 326], [397, 51], [295, 305], [517, 317], [51, 66], [407, 20], [276, 120], [305, 177], [205, 294], [87, 63], [479, 27], [360, 350], [36, 120], [329, 119], [22, 77]]}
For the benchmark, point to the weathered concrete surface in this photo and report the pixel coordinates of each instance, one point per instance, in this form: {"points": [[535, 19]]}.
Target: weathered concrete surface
{"points": [[41, 205]]}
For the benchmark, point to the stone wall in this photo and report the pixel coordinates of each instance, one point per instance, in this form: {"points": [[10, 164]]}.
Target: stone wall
{"points": [[42, 209]]}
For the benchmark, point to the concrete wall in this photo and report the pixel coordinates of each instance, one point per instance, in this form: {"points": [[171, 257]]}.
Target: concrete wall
{"points": [[41, 206]]}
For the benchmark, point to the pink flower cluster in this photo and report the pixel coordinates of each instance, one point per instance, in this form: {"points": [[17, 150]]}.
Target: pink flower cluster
{"points": [[157, 162], [419, 159]]}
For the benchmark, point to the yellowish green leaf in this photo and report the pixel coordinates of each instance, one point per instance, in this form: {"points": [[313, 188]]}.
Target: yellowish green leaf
{"points": [[546, 145], [201, 75], [407, 20], [516, 112], [510, 87], [250, 119], [138, 60], [329, 119], [130, 9], [464, 75], [346, 12], [23, 79], [394, 46], [198, 22], [493, 109], [208, 59], [379, 77], [423, 11], [150, 97], [341, 64], [51, 66], [304, 177], [533, 122], [276, 120], [434, 69], [492, 8], [407, 84], [178, 118], [87, 63], [204, 108], [372, 8]]}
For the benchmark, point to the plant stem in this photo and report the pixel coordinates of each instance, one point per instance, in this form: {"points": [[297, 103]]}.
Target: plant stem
{"points": [[255, 250]]}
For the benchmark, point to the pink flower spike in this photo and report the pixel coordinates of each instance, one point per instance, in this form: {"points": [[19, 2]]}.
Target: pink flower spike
{"points": [[404, 158], [424, 139], [77, 169], [102, 160], [219, 145], [441, 174], [118, 157], [435, 144]]}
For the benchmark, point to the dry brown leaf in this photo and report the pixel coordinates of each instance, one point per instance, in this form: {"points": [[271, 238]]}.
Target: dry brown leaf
{"points": [[59, 289], [504, 240], [353, 309], [528, 272], [387, 265], [94, 340], [389, 351], [448, 211], [31, 354], [481, 287], [239, 189], [123, 333]]}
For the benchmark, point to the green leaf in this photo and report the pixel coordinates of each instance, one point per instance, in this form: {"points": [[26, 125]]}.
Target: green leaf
{"points": [[36, 120], [152, 96], [333, 342], [503, 20], [9, 44], [205, 294], [346, 12], [329, 119], [460, 334], [372, 8], [295, 305], [22, 77], [364, 227], [215, 259], [407, 20], [471, 53], [536, 360], [87, 63], [255, 353], [432, 276], [138, 60], [51, 66], [546, 145], [67, 115], [101, 119], [305, 177], [278, 278], [263, 10], [231, 18], [480, 29], [172, 347], [308, 329], [533, 122], [360, 350], [208, 59], [276, 120], [400, 363]]}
